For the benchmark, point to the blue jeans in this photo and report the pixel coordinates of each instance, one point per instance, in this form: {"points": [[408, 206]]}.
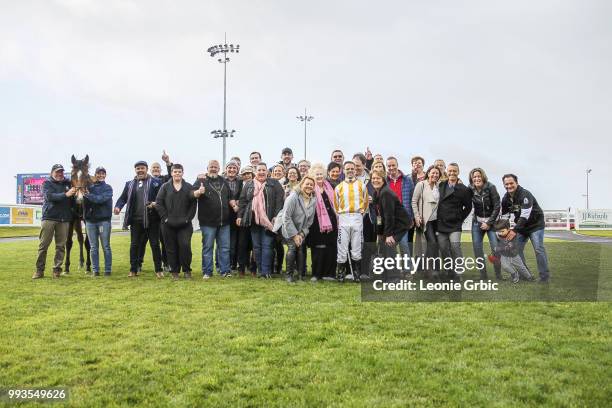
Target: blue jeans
{"points": [[222, 236], [263, 247], [100, 231], [478, 244], [537, 241], [405, 244]]}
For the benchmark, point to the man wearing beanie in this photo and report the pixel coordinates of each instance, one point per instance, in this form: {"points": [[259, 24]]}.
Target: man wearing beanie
{"points": [[139, 198], [235, 185]]}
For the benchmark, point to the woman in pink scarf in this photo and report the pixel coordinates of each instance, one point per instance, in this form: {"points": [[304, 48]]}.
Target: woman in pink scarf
{"points": [[260, 202], [324, 230]]}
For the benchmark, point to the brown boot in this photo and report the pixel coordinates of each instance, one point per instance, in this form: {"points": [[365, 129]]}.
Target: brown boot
{"points": [[159, 275], [175, 276], [57, 274], [132, 274], [38, 275], [254, 274]]}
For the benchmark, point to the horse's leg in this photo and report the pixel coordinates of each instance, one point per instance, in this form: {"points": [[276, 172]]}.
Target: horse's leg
{"points": [[79, 230], [69, 245], [87, 249]]}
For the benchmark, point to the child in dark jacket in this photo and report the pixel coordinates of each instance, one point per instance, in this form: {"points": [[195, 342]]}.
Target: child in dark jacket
{"points": [[507, 249]]}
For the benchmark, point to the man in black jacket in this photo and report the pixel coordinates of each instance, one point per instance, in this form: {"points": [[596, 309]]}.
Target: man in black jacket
{"points": [[139, 194], [56, 217], [214, 217], [454, 206], [156, 172], [529, 220]]}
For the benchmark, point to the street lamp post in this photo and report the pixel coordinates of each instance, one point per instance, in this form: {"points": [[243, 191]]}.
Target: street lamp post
{"points": [[305, 119], [588, 171], [213, 51]]}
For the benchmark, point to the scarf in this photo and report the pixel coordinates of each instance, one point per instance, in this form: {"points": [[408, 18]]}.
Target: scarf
{"points": [[325, 224], [259, 205]]}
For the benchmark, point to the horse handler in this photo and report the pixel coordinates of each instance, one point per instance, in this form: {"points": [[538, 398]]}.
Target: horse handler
{"points": [[97, 211], [56, 216]]}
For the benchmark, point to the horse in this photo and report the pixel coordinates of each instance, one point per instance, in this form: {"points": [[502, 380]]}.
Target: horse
{"points": [[81, 180]]}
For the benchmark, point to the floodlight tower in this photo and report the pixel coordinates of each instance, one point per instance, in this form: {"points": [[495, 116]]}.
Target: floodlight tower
{"points": [[223, 49], [305, 119]]}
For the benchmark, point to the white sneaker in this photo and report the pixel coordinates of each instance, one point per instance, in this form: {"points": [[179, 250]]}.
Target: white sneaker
{"points": [[206, 277], [349, 277]]}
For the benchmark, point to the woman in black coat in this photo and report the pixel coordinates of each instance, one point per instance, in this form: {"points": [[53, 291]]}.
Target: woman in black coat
{"points": [[486, 211], [323, 235], [392, 220], [176, 206]]}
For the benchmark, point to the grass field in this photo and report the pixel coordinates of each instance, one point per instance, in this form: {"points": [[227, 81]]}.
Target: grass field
{"points": [[601, 233], [247, 342], [12, 232]]}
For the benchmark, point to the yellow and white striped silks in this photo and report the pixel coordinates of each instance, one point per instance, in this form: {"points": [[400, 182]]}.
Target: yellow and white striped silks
{"points": [[351, 197]]}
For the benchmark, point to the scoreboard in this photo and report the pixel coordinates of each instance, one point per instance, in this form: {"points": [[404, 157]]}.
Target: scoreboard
{"points": [[29, 188]]}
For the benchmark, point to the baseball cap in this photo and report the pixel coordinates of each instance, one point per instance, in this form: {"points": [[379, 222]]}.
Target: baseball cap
{"points": [[100, 169], [247, 169], [287, 150], [57, 167]]}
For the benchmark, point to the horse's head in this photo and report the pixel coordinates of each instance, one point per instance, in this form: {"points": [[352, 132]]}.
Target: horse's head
{"points": [[80, 177]]}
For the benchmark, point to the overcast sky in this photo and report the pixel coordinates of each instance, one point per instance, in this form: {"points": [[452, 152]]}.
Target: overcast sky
{"points": [[520, 86]]}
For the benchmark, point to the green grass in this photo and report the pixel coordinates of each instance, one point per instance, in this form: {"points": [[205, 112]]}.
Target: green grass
{"points": [[601, 233], [12, 232], [248, 342]]}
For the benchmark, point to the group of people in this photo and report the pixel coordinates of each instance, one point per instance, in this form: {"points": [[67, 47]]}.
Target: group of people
{"points": [[249, 214]]}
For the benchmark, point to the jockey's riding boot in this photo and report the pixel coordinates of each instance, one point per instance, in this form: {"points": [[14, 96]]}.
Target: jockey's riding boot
{"points": [[340, 271]]}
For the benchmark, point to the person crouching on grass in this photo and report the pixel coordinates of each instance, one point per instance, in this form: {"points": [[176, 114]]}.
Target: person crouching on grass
{"points": [[508, 249], [176, 206], [298, 215]]}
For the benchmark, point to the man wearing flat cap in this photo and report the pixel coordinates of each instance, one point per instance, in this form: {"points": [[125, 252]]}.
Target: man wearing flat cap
{"points": [[139, 198], [56, 217]]}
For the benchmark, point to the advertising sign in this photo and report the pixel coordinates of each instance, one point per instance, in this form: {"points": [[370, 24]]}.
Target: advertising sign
{"points": [[22, 216], [594, 219], [5, 215]]}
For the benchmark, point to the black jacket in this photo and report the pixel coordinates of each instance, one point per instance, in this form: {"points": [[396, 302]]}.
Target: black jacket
{"points": [[98, 202], [56, 206], [235, 196], [165, 177], [274, 195], [175, 208], [528, 215], [454, 206], [486, 202], [315, 236], [395, 219], [152, 185], [213, 205]]}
